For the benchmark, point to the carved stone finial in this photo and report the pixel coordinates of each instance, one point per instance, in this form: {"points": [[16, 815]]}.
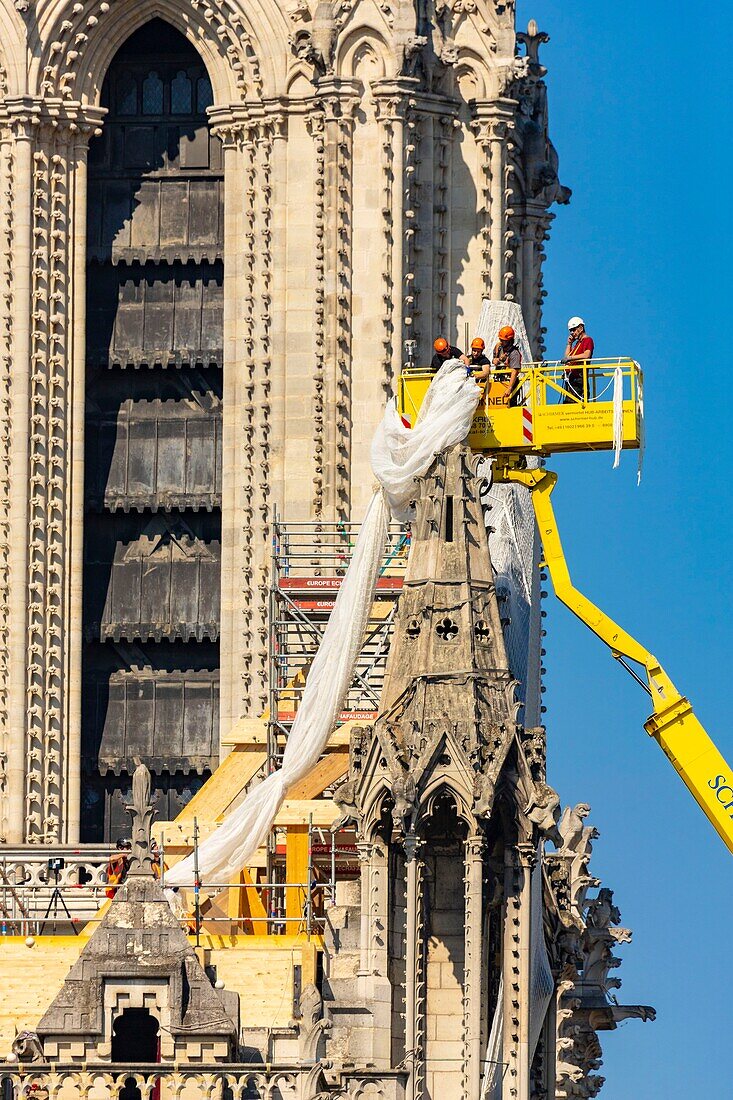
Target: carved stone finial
{"points": [[532, 39], [141, 812]]}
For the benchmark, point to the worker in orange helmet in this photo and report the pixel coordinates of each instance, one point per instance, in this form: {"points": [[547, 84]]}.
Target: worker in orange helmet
{"points": [[118, 865], [478, 363], [507, 362], [443, 352]]}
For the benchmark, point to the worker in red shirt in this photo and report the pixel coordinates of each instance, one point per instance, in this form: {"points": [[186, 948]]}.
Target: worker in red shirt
{"points": [[578, 351]]}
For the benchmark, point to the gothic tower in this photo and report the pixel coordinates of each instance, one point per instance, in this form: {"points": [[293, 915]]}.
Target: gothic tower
{"points": [[223, 228], [449, 795]]}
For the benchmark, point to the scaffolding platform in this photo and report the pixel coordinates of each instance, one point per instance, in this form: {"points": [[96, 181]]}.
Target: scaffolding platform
{"points": [[309, 561]]}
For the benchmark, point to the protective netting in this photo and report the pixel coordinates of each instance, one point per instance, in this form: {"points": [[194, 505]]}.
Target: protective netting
{"points": [[541, 981], [494, 1067], [513, 541], [399, 455]]}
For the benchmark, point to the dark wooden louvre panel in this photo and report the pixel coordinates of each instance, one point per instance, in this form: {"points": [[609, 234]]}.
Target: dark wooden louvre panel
{"points": [[153, 436], [161, 583], [171, 720], [167, 314], [158, 464], [165, 218]]}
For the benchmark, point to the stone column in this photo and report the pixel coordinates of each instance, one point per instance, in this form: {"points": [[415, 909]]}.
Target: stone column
{"points": [[278, 121], [234, 647], [23, 114], [392, 98], [474, 975], [78, 150], [47, 468], [259, 410], [513, 968], [526, 269], [493, 124], [414, 977], [527, 855], [398, 237], [316, 127], [334, 135], [532, 229], [7, 266], [497, 135], [422, 202], [46, 471], [51, 520], [443, 156], [542, 235], [364, 850], [248, 424], [378, 911], [411, 211], [385, 112]]}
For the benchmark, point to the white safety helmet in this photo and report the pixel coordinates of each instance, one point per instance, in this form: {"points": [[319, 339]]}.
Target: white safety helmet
{"points": [[575, 321]]}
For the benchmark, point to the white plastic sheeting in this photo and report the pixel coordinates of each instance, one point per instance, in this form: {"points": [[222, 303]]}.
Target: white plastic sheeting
{"points": [[513, 541], [618, 413], [399, 455]]}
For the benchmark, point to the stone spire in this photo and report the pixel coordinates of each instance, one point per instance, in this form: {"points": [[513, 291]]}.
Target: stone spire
{"points": [[448, 691], [449, 796]]}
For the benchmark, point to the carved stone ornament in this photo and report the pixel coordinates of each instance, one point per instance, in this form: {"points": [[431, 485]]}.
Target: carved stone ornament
{"points": [[141, 813]]}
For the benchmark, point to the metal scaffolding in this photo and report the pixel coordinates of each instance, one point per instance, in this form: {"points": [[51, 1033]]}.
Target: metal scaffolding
{"points": [[309, 561]]}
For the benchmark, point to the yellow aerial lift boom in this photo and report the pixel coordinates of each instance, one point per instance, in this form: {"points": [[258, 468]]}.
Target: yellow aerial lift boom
{"points": [[547, 417]]}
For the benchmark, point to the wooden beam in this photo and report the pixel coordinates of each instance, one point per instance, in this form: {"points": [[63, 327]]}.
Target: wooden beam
{"points": [[328, 769], [296, 869]]}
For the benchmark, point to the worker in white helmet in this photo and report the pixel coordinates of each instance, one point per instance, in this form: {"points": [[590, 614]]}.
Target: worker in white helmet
{"points": [[578, 352]]}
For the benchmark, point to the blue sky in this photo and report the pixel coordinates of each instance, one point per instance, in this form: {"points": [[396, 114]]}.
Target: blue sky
{"points": [[640, 108]]}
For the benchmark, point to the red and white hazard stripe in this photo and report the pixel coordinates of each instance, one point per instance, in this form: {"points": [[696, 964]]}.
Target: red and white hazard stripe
{"points": [[527, 431], [405, 420]]}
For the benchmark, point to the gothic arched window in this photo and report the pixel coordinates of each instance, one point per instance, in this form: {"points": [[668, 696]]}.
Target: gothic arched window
{"points": [[204, 94], [127, 95], [181, 95], [152, 94]]}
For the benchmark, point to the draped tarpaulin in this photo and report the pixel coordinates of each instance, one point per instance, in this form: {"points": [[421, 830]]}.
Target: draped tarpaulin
{"points": [[399, 455]]}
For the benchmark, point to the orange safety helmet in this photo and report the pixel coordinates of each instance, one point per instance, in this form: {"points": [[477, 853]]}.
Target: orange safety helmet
{"points": [[506, 333], [441, 344], [477, 344]]}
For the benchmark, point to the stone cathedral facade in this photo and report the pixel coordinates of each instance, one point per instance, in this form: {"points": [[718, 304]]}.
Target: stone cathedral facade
{"points": [[223, 228], [465, 960]]}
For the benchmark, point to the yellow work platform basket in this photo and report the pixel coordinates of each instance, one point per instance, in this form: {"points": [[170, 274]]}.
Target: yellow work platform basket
{"points": [[549, 410]]}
